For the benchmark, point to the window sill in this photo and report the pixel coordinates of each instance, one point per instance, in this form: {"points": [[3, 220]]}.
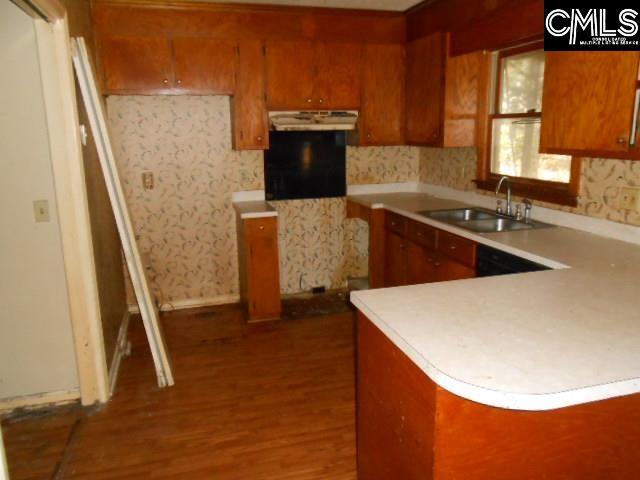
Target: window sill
{"points": [[552, 192]]}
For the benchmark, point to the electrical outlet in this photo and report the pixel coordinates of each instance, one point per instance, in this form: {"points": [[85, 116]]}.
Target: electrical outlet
{"points": [[147, 180], [41, 211], [629, 198]]}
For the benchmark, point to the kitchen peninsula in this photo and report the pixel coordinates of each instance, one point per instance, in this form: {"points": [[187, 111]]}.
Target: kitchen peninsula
{"points": [[525, 376]]}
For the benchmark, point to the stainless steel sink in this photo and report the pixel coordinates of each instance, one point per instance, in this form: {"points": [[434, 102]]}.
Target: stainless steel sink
{"points": [[481, 221]]}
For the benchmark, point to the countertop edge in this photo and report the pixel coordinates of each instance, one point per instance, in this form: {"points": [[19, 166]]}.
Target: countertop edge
{"points": [[494, 398]]}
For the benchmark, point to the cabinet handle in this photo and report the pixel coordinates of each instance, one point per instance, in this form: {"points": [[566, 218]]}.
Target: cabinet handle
{"points": [[165, 81], [621, 140], [452, 247]]}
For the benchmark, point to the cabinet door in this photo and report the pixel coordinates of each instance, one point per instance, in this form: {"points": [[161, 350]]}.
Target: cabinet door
{"points": [[290, 75], [382, 111], [425, 90], [204, 65], [337, 83], [462, 93], [587, 104], [448, 269], [136, 64], [263, 268], [250, 122], [420, 264], [395, 267]]}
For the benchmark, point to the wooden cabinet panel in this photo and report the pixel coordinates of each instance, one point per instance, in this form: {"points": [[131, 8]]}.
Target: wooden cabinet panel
{"points": [[250, 122], [425, 90], [382, 109], [396, 223], [462, 93], [395, 261], [204, 65], [338, 76], [290, 67], [136, 64], [448, 269], [587, 103], [422, 234], [461, 249], [421, 264], [262, 268]]}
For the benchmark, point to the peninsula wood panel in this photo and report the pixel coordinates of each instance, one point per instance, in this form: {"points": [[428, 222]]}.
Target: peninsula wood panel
{"points": [[395, 260], [338, 75], [249, 117], [136, 64], [382, 106], [290, 74], [395, 410], [204, 65], [588, 101]]}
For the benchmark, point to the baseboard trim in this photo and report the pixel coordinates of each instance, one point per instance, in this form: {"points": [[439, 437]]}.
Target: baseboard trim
{"points": [[39, 400], [193, 303], [122, 350]]}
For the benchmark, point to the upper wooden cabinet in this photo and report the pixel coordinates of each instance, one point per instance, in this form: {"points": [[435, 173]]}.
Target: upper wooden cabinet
{"points": [[588, 103], [313, 75], [425, 90], [136, 64], [442, 94], [250, 122], [204, 65], [148, 65], [382, 107]]}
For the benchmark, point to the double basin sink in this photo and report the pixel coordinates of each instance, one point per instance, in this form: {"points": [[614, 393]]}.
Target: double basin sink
{"points": [[481, 221]]}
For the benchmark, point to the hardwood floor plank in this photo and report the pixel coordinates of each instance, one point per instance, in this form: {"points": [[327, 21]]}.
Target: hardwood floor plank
{"points": [[272, 401]]}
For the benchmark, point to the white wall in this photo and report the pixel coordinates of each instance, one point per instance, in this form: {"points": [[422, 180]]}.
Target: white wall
{"points": [[36, 344]]}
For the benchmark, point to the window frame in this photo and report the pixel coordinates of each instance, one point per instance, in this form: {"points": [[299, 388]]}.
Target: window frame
{"points": [[548, 191]]}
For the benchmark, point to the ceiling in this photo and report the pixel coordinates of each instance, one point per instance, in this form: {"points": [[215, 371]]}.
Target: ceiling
{"points": [[391, 5]]}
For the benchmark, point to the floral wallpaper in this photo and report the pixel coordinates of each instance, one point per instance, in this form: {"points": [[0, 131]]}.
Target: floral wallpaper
{"points": [[600, 184], [186, 223]]}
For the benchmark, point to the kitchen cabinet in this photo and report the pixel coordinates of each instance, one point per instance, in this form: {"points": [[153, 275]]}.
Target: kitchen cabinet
{"points": [[425, 90], [382, 106], [588, 103], [259, 267], [160, 65], [313, 75], [204, 65], [443, 93], [249, 109], [136, 64], [418, 253]]}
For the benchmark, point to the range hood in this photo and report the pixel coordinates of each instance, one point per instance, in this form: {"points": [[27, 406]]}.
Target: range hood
{"points": [[313, 120]]}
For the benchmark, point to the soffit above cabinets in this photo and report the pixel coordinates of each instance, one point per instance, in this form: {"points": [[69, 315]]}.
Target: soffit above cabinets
{"points": [[390, 5]]}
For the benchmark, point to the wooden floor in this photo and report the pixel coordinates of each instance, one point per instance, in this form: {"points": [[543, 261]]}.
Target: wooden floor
{"points": [[250, 402]]}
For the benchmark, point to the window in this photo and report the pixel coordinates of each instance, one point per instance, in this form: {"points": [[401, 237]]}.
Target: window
{"points": [[513, 131]]}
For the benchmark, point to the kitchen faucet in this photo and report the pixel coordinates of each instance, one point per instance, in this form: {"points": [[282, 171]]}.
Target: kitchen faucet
{"points": [[509, 211]]}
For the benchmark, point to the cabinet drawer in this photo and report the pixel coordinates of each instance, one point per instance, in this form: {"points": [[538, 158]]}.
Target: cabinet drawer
{"points": [[457, 247], [396, 223], [422, 234]]}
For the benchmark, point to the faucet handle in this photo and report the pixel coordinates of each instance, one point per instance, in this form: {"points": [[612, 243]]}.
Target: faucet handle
{"points": [[499, 206], [518, 214], [528, 205]]}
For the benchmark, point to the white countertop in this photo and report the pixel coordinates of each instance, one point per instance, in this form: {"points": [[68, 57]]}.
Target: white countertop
{"points": [[531, 341], [255, 209]]}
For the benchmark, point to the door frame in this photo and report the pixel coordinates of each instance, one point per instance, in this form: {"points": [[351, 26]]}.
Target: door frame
{"points": [[58, 84]]}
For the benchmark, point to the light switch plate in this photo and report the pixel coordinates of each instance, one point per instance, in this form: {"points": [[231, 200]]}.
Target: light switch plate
{"points": [[41, 211]]}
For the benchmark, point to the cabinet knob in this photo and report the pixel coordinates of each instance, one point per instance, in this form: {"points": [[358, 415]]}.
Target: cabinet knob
{"points": [[179, 82], [419, 234], [259, 138], [321, 101], [165, 81], [261, 227], [393, 224], [452, 247], [402, 246], [437, 264], [368, 135], [621, 140], [309, 100]]}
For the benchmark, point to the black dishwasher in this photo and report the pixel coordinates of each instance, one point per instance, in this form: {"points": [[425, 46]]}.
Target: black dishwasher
{"points": [[491, 261]]}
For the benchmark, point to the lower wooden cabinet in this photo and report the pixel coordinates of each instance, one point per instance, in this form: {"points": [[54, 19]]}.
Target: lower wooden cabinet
{"points": [[417, 253], [259, 267]]}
